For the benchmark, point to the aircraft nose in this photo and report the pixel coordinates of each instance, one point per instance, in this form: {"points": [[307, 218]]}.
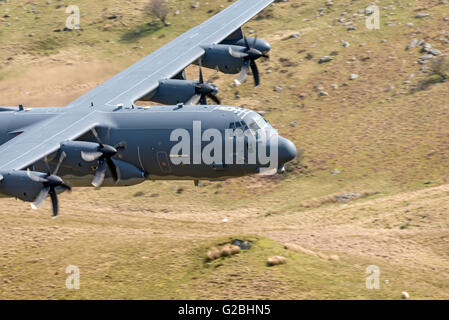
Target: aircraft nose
{"points": [[286, 150]]}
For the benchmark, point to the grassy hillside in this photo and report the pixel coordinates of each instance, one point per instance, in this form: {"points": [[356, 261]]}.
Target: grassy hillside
{"points": [[383, 136]]}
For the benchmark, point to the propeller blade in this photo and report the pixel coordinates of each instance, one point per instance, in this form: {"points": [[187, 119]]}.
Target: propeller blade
{"points": [[237, 54], [246, 43], [201, 76], [108, 137], [40, 198], [114, 170], [254, 42], [120, 146], [245, 68], [54, 202], [99, 175], [47, 166], [214, 98], [91, 156], [256, 74], [97, 137], [194, 100], [203, 100], [61, 159], [66, 187], [35, 178]]}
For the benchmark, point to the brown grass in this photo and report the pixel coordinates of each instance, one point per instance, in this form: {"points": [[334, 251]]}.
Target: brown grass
{"points": [[299, 249], [340, 197]]}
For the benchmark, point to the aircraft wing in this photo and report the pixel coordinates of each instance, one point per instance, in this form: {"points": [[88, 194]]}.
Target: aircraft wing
{"points": [[144, 76], [44, 138]]}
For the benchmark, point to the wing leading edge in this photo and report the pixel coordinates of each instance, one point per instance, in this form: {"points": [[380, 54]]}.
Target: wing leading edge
{"points": [[44, 138]]}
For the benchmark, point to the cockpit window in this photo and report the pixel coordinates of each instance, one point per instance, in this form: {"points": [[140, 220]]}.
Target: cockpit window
{"points": [[253, 121], [236, 125], [257, 122], [253, 125]]}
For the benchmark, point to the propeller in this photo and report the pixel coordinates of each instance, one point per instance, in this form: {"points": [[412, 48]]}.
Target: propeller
{"points": [[249, 56], [204, 90], [104, 155], [50, 183]]}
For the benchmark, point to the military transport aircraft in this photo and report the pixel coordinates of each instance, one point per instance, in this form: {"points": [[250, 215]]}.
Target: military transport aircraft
{"points": [[104, 139]]}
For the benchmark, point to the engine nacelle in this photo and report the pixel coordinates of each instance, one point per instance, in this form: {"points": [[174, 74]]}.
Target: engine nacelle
{"points": [[129, 173], [17, 184], [218, 57], [74, 150], [172, 92], [259, 44]]}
